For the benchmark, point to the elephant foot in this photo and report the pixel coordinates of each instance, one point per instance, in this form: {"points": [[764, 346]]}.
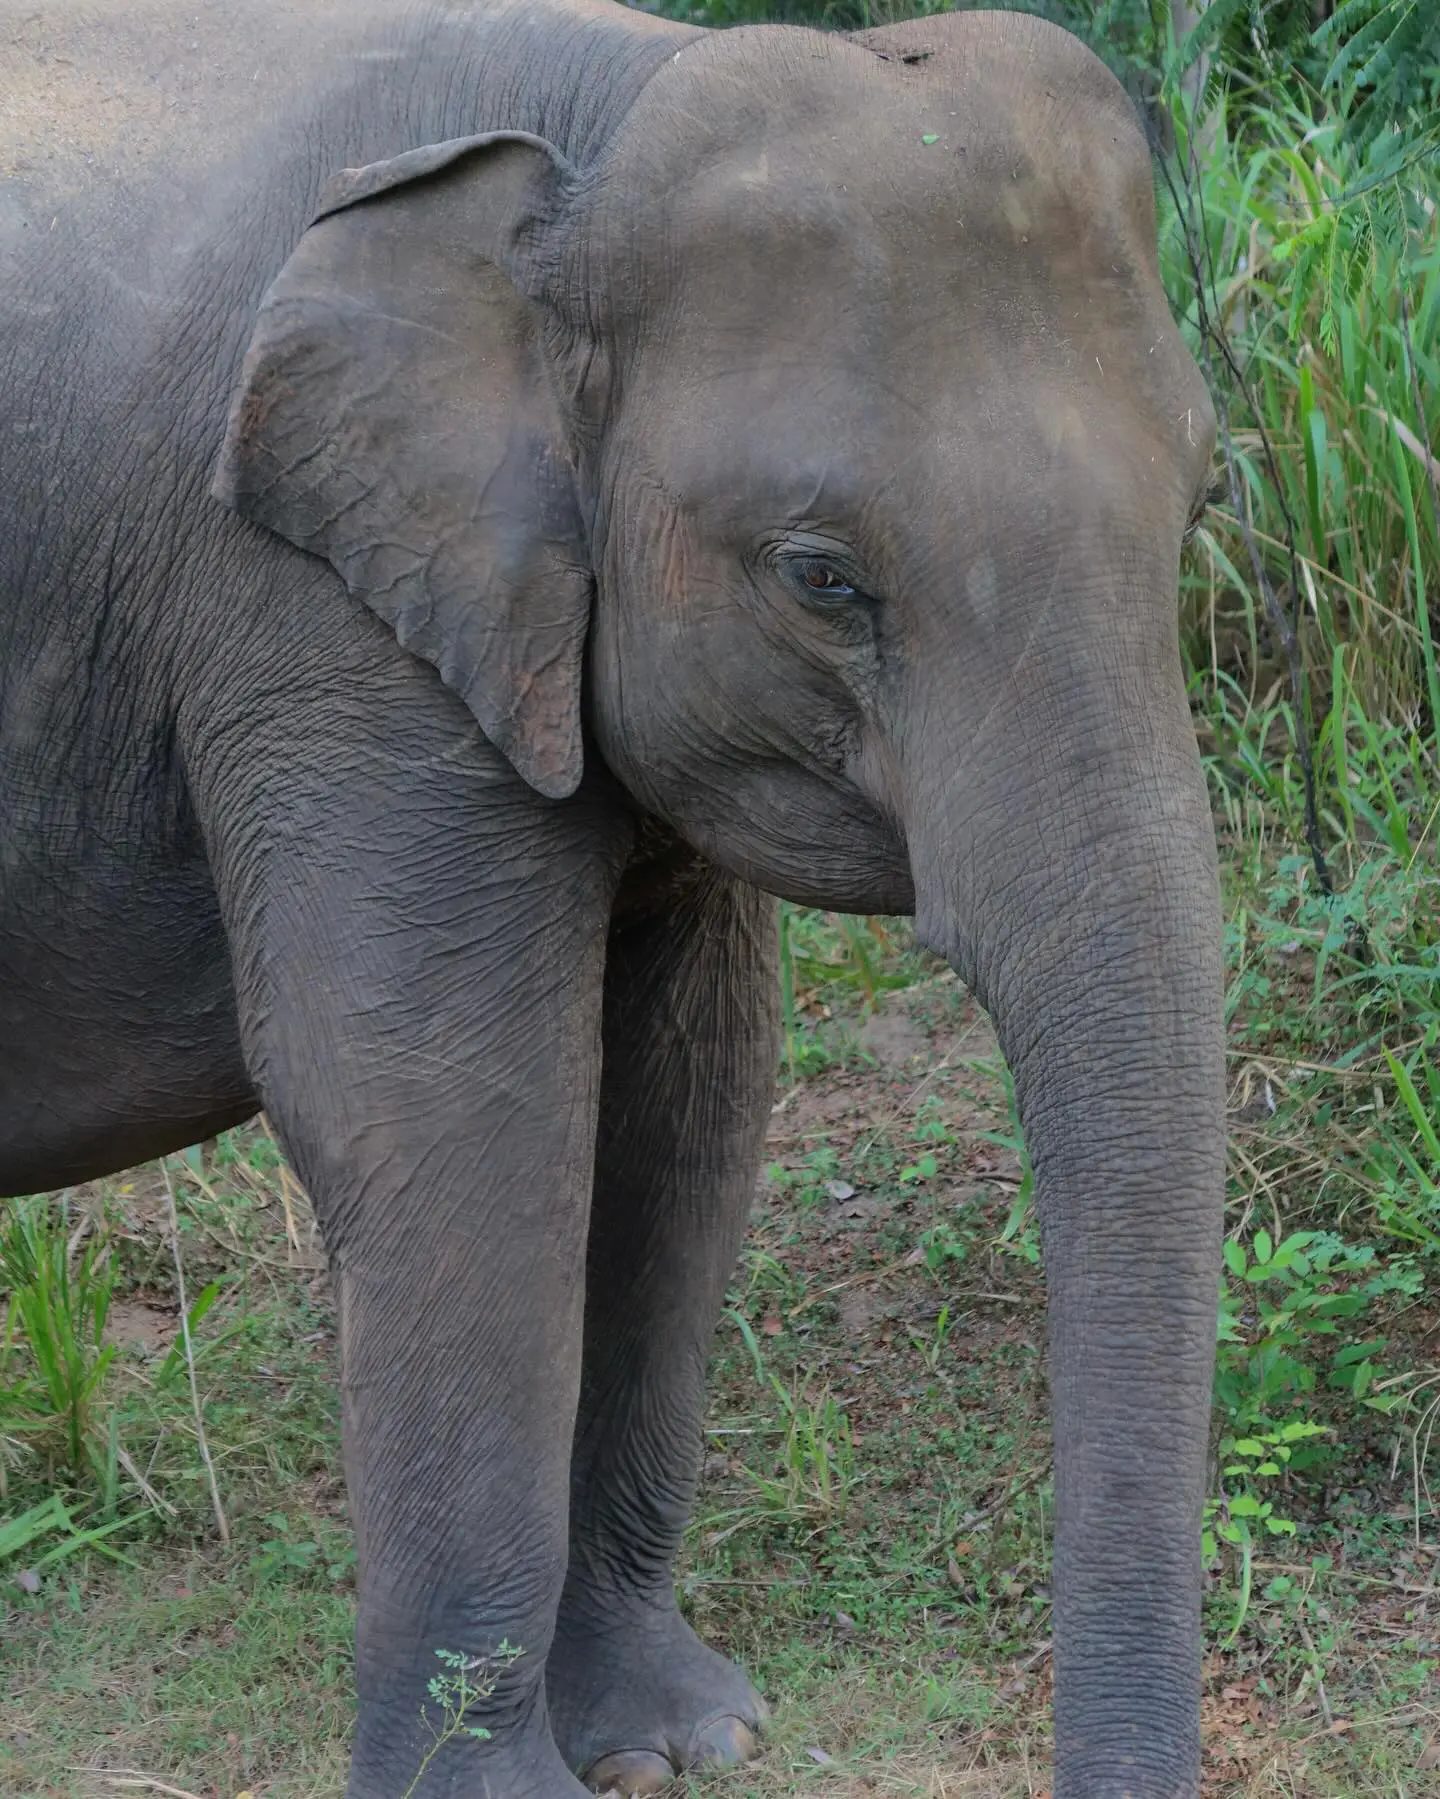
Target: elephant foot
{"points": [[634, 1705], [722, 1742]]}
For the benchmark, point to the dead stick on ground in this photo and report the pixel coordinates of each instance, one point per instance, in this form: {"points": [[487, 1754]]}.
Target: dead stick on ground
{"points": [[127, 1463], [119, 1778], [221, 1523]]}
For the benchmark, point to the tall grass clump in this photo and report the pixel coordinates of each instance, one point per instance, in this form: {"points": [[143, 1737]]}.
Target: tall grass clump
{"points": [[56, 1278], [1321, 278]]}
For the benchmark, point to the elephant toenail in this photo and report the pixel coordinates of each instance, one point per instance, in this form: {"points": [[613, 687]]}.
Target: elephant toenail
{"points": [[629, 1771], [723, 1743]]}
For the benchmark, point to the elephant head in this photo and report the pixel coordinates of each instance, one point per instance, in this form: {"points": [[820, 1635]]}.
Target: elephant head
{"points": [[833, 431]]}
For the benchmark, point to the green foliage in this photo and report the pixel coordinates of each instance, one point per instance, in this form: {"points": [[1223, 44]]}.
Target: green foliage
{"points": [[808, 1480], [53, 1355], [291, 1550], [1329, 307], [98, 1427], [814, 1182], [827, 957], [1407, 1179], [1020, 1234], [467, 1682], [1241, 1515], [1385, 71], [1283, 1305], [52, 1528]]}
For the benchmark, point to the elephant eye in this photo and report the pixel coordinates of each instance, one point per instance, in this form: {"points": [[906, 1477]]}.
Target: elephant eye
{"points": [[819, 578]]}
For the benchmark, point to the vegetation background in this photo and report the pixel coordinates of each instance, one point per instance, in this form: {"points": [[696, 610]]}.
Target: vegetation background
{"points": [[175, 1570]]}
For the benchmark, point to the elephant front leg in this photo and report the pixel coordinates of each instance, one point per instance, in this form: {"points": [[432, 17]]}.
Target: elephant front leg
{"points": [[689, 1061], [420, 976]]}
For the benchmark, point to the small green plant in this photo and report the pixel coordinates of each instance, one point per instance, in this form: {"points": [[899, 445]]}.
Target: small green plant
{"points": [[286, 1552], [1407, 1174], [1020, 1233], [932, 1345], [770, 1283], [1280, 1313], [1243, 1514], [468, 1681], [815, 1183], [825, 957], [930, 1123], [51, 1519], [941, 1245], [53, 1354], [810, 1480]]}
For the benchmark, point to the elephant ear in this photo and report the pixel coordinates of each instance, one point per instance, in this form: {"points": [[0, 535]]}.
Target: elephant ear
{"points": [[395, 416]]}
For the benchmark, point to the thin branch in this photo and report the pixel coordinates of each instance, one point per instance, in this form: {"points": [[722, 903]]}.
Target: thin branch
{"points": [[131, 1780], [221, 1522]]}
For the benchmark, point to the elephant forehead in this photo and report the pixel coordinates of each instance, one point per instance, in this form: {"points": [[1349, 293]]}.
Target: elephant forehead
{"points": [[1005, 134], [937, 467], [894, 257], [857, 329]]}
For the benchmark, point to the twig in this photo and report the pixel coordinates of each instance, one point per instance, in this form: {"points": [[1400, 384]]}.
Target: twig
{"points": [[693, 1584], [131, 1780], [1021, 1482], [288, 1186], [853, 1280], [221, 1522], [1419, 1458], [126, 1461], [1363, 1580], [81, 1231]]}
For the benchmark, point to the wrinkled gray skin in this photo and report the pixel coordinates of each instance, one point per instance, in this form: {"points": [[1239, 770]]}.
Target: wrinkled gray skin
{"points": [[733, 491]]}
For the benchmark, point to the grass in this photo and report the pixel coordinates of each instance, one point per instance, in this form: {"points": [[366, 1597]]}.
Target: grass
{"points": [[1327, 292]]}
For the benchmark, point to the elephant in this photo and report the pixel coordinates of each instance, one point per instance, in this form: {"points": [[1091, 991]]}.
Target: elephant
{"points": [[495, 492]]}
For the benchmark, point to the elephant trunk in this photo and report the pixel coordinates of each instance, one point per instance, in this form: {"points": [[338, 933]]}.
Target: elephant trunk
{"points": [[1072, 882]]}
